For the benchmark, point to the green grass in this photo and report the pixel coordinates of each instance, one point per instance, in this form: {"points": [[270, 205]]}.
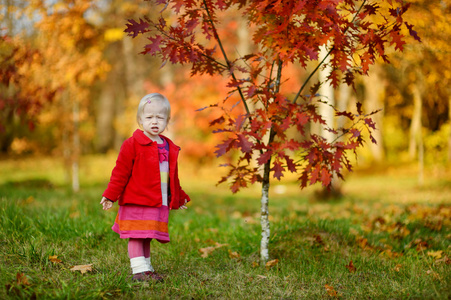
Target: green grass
{"points": [[396, 237]]}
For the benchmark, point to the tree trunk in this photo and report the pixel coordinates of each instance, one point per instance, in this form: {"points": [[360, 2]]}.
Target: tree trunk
{"points": [[264, 219], [374, 94], [416, 147], [415, 125], [449, 133], [76, 147], [327, 94]]}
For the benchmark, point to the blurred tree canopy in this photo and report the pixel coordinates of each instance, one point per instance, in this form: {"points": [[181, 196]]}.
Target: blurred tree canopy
{"points": [[70, 80]]}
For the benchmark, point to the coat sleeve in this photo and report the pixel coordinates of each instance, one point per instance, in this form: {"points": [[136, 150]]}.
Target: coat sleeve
{"points": [[121, 172]]}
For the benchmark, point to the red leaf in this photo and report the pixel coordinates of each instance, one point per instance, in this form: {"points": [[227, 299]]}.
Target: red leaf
{"points": [[154, 47], [223, 147], [290, 164], [315, 175], [326, 177], [397, 40], [278, 170], [264, 157], [412, 32], [369, 122], [244, 143], [134, 28]]}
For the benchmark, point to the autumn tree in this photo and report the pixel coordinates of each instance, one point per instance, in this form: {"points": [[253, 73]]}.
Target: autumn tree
{"points": [[258, 128]]}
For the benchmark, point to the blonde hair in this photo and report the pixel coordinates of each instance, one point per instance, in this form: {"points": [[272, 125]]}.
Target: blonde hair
{"points": [[148, 99]]}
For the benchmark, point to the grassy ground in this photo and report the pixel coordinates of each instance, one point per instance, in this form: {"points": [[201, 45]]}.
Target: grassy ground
{"points": [[386, 239]]}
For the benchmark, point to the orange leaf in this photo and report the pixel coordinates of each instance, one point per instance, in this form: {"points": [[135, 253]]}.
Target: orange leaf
{"points": [[82, 268], [351, 267], [331, 291], [271, 263], [22, 279], [54, 259]]}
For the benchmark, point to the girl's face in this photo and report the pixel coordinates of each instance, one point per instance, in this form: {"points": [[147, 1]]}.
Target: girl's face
{"points": [[154, 119]]}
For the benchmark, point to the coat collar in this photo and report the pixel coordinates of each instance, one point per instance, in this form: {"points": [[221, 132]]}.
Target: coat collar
{"points": [[143, 139]]}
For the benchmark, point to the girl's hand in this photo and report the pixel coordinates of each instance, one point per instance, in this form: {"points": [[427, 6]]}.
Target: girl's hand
{"points": [[107, 204], [184, 205]]}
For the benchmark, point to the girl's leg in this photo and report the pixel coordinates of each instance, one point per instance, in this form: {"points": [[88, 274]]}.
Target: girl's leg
{"points": [[146, 249], [136, 254]]}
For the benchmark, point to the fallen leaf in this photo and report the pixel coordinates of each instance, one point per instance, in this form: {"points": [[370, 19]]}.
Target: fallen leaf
{"points": [[331, 291], [82, 268], [398, 267], [206, 251], [435, 254], [261, 276], [255, 264], [234, 254], [21, 279], [54, 259], [272, 263], [351, 267], [445, 260]]}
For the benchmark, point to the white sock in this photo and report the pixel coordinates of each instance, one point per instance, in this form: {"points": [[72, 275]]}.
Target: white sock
{"points": [[139, 265], [149, 264]]}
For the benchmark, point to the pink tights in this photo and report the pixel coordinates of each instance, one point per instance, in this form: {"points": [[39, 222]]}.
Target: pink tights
{"points": [[139, 247]]}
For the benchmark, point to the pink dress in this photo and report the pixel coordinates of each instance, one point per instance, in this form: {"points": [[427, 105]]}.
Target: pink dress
{"points": [[137, 221]]}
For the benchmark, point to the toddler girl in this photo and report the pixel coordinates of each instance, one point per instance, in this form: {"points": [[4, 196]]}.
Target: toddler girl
{"points": [[145, 183]]}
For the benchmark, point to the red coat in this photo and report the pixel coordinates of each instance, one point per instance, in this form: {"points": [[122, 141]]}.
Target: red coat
{"points": [[136, 177]]}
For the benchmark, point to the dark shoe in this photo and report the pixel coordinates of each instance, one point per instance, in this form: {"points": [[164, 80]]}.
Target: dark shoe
{"points": [[155, 276], [140, 277], [147, 276]]}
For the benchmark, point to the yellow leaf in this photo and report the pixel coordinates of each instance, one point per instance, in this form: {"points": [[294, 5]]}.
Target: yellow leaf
{"points": [[82, 268], [114, 34], [54, 259], [398, 267], [435, 254]]}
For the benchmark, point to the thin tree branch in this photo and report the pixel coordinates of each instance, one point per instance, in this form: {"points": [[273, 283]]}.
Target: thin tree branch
{"points": [[327, 55], [243, 99]]}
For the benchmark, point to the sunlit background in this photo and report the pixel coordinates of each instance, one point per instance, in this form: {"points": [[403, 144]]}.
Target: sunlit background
{"points": [[71, 80]]}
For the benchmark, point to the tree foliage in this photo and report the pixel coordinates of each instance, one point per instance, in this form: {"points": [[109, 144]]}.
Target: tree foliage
{"points": [[355, 33]]}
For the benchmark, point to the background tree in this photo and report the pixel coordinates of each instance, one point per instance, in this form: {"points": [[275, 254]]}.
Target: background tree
{"points": [[284, 32]]}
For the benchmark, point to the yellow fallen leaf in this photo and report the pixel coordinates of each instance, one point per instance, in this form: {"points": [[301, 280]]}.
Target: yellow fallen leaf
{"points": [[82, 268], [435, 254], [398, 267], [54, 259]]}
